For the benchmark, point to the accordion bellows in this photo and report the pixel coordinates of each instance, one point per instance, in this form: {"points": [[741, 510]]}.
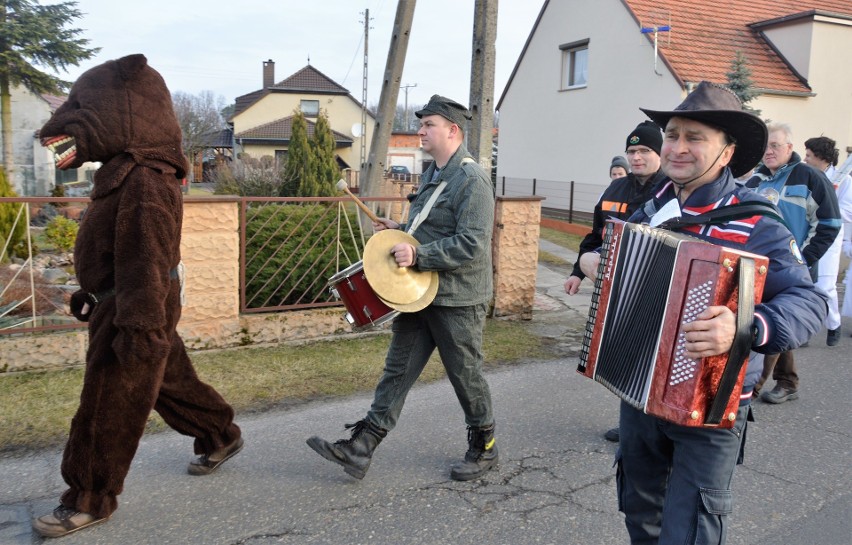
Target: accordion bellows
{"points": [[650, 282]]}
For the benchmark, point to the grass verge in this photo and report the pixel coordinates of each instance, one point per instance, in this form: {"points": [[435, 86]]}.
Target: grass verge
{"points": [[551, 259], [566, 240], [38, 407]]}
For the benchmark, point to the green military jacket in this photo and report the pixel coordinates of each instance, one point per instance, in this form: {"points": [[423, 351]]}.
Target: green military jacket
{"points": [[455, 238]]}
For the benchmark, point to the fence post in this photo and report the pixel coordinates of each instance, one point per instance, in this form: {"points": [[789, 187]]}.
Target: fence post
{"points": [[571, 204], [533, 186], [504, 185]]}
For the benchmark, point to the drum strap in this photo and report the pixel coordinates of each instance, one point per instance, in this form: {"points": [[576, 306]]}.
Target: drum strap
{"points": [[424, 213]]}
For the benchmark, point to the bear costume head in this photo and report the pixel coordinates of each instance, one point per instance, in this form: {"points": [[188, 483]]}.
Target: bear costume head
{"points": [[120, 106]]}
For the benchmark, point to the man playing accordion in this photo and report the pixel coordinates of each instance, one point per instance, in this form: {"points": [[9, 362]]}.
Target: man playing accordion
{"points": [[674, 481]]}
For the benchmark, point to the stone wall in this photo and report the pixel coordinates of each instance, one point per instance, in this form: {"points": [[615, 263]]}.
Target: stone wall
{"points": [[210, 247]]}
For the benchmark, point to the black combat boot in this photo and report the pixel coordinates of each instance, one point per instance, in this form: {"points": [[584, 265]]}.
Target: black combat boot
{"points": [[480, 457], [355, 453]]}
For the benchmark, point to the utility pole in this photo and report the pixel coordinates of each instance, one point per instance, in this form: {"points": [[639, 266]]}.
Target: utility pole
{"points": [[388, 100], [479, 139], [363, 157], [407, 122]]}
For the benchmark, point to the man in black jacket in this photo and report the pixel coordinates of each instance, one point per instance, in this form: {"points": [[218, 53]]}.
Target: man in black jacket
{"points": [[624, 195], [622, 198]]}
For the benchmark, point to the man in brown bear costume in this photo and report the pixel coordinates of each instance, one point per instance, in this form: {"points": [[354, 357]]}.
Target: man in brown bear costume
{"points": [[127, 258]]}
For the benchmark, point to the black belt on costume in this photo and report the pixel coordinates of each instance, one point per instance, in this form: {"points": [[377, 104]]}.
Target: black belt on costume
{"points": [[95, 298]]}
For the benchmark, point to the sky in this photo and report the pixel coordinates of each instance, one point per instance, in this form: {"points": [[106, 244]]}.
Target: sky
{"points": [[220, 46]]}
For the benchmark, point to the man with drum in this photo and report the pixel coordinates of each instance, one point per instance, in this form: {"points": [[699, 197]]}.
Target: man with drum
{"points": [[674, 481], [455, 241]]}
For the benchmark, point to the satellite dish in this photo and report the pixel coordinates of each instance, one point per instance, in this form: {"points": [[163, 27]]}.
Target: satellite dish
{"points": [[356, 130]]}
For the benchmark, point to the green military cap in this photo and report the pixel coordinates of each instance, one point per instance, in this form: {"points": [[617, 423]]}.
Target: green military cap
{"points": [[447, 108]]}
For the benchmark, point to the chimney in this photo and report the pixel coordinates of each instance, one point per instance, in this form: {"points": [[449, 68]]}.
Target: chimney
{"points": [[268, 73]]}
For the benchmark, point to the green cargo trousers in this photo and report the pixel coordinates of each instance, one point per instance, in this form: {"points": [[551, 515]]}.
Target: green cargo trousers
{"points": [[457, 334]]}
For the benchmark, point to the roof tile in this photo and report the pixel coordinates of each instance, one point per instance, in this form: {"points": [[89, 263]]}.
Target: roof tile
{"points": [[309, 79], [282, 129], [705, 37], [306, 80]]}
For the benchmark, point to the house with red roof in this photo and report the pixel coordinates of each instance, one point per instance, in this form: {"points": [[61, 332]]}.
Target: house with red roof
{"points": [[34, 172], [262, 120], [589, 65]]}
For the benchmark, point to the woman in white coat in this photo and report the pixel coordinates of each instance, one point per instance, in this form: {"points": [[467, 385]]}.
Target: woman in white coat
{"points": [[821, 153]]}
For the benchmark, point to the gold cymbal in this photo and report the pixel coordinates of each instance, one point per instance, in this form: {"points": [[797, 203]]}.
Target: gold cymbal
{"points": [[392, 283], [421, 303]]}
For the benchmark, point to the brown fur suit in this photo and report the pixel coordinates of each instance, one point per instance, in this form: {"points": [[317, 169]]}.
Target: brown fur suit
{"points": [[120, 113]]}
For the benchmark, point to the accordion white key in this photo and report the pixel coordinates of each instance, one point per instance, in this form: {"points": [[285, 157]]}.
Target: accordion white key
{"points": [[650, 282]]}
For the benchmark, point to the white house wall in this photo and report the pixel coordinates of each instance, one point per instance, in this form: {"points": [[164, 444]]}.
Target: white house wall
{"points": [[558, 136], [44, 167], [31, 175], [829, 111], [793, 40]]}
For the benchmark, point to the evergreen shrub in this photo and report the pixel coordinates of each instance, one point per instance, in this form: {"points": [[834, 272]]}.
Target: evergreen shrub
{"points": [[8, 212], [61, 232]]}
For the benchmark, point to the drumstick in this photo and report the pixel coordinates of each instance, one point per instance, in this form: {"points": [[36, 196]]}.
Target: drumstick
{"points": [[343, 186]]}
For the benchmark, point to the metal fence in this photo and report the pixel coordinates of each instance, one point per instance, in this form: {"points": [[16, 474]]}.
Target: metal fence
{"points": [[33, 294], [289, 249], [567, 200]]}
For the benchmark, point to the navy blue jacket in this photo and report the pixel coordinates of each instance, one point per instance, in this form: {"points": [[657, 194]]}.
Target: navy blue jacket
{"points": [[807, 201], [792, 308]]}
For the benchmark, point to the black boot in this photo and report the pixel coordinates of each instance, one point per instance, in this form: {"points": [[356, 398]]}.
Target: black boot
{"points": [[355, 453], [480, 457]]}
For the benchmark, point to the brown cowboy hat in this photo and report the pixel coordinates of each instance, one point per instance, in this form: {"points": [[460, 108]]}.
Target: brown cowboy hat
{"points": [[718, 107]]}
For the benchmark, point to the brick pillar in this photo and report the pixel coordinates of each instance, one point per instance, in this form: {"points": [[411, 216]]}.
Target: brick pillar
{"points": [[515, 255]]}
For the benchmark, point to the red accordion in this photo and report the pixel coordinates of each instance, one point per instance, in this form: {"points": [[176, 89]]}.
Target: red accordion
{"points": [[650, 282]]}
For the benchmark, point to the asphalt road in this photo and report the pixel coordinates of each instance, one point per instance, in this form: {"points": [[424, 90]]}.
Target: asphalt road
{"points": [[555, 483]]}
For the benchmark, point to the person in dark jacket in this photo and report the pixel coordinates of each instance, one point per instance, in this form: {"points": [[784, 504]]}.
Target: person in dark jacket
{"points": [[809, 205], [127, 258], [674, 481], [621, 198], [624, 195]]}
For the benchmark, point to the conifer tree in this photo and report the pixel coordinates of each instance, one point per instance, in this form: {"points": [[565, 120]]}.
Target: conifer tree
{"points": [[326, 171], [297, 172], [739, 81], [34, 35]]}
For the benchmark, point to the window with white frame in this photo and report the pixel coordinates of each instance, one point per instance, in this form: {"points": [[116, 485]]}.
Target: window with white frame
{"points": [[575, 64], [310, 108]]}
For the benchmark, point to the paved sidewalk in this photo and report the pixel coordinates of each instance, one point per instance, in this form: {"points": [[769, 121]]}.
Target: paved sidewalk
{"points": [[555, 483]]}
